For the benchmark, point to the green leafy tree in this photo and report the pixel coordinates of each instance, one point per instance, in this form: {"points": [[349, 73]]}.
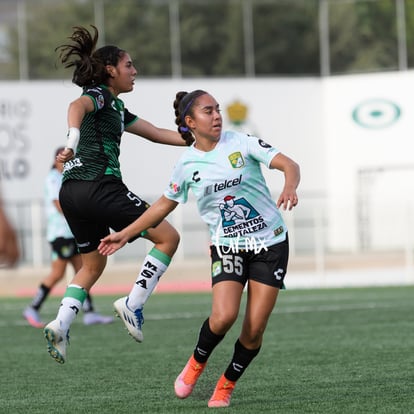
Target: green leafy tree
{"points": [[363, 36], [286, 37], [409, 22], [48, 25], [211, 38], [143, 29]]}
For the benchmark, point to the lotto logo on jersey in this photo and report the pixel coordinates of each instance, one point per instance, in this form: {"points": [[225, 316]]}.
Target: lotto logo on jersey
{"points": [[236, 160]]}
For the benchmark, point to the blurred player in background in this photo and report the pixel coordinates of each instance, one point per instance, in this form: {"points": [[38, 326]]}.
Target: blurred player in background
{"points": [[249, 241], [9, 247], [64, 251]]}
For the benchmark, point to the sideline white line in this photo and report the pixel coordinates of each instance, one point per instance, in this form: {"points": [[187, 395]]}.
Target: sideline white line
{"points": [[279, 310]]}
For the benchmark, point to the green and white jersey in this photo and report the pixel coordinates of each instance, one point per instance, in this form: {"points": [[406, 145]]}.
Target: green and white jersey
{"points": [[231, 192], [100, 137], [56, 222]]}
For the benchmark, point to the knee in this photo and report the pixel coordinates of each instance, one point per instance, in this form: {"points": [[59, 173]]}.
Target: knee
{"points": [[174, 238], [220, 323], [167, 238], [252, 338]]}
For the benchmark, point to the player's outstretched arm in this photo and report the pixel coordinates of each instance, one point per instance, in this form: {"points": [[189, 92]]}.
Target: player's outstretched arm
{"points": [[149, 131]]}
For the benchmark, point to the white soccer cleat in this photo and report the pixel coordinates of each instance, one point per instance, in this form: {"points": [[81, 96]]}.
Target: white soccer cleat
{"points": [[133, 320], [57, 339]]}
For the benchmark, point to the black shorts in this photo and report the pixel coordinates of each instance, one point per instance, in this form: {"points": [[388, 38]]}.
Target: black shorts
{"points": [[64, 248], [91, 208], [267, 266]]}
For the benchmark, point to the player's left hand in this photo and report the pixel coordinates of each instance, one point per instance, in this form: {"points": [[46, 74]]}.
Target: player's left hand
{"points": [[287, 200]]}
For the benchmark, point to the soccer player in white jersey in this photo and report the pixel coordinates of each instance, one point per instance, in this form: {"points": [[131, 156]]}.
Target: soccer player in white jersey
{"points": [[249, 240]]}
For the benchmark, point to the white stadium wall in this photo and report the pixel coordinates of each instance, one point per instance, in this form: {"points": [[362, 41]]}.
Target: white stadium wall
{"points": [[368, 124], [351, 136]]}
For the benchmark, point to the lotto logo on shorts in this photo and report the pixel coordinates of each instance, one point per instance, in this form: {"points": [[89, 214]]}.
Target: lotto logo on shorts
{"points": [[216, 268]]}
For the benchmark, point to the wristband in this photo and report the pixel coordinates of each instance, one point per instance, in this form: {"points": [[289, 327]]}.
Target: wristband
{"points": [[73, 139]]}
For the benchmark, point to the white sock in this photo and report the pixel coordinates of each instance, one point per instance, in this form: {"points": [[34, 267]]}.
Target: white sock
{"points": [[70, 306], [154, 266]]}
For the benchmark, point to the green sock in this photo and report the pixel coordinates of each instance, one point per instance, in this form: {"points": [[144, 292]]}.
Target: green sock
{"points": [[70, 305]]}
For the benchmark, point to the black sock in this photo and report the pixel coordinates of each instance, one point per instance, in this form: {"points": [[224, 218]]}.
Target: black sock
{"points": [[207, 341], [240, 361], [41, 295]]}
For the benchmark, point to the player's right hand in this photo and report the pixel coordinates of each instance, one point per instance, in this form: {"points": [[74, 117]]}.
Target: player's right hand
{"points": [[111, 243], [65, 155]]}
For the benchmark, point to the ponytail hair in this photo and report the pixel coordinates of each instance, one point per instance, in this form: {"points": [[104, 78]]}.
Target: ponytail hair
{"points": [[89, 63], [183, 106]]}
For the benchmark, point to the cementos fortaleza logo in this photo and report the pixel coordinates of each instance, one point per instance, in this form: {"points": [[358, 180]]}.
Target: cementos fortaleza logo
{"points": [[376, 113]]}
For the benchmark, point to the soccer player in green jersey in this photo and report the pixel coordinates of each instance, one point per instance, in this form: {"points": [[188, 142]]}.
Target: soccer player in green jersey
{"points": [[93, 197], [249, 240], [64, 252]]}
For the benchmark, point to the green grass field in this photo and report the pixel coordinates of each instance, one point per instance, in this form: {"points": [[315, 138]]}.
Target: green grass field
{"points": [[325, 351]]}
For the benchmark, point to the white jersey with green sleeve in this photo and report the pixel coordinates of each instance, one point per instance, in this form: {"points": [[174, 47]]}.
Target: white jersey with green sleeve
{"points": [[231, 192], [56, 222]]}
